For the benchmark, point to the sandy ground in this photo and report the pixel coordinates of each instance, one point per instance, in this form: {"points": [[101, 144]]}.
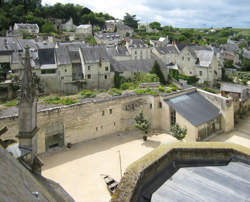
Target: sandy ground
{"points": [[78, 170], [240, 135]]}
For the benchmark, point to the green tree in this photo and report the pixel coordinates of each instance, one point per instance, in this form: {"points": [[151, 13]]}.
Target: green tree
{"points": [[156, 69], [228, 64], [117, 80], [130, 20], [245, 64], [178, 132], [142, 123], [155, 25], [48, 27]]}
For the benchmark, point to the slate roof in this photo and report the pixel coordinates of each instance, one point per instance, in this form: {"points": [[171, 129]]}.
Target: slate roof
{"points": [[144, 65], [9, 44], [108, 36], [137, 43], [28, 42], [46, 56], [194, 108], [168, 49], [117, 51], [72, 46], [62, 56], [92, 54], [211, 183], [246, 53], [231, 87], [26, 26], [45, 45], [205, 54], [17, 183]]}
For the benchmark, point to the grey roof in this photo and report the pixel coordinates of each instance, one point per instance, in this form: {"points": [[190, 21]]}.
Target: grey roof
{"points": [[26, 26], [62, 56], [107, 36], [92, 54], [194, 108], [117, 51], [168, 49], [72, 46], [144, 65], [231, 87], [246, 53], [230, 47], [46, 56], [212, 183], [123, 27], [9, 44], [137, 43], [27, 42], [45, 45], [17, 183]]}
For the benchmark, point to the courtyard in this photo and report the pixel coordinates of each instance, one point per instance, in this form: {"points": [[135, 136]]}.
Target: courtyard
{"points": [[240, 135], [78, 169]]}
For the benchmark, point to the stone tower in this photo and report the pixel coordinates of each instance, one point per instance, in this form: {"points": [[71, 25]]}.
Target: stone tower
{"points": [[27, 110]]}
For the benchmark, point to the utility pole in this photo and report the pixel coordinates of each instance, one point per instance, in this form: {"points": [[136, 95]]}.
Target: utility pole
{"points": [[120, 162]]}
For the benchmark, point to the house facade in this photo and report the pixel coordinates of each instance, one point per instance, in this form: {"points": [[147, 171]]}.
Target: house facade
{"points": [[200, 62], [138, 49], [30, 28]]}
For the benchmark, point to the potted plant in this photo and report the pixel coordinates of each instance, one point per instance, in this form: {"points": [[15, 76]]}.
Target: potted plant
{"points": [[142, 124]]}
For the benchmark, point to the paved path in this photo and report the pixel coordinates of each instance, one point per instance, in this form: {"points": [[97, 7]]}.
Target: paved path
{"points": [[78, 169], [240, 135]]}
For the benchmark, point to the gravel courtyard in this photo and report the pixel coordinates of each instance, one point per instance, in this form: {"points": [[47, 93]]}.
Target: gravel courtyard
{"points": [[78, 169]]}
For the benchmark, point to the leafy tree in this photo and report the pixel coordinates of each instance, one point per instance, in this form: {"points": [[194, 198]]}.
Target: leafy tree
{"points": [[228, 64], [117, 80], [130, 20], [178, 132], [155, 25], [48, 27], [156, 69], [91, 40], [245, 64], [142, 123]]}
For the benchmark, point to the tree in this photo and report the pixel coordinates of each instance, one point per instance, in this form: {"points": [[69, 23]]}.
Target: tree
{"points": [[130, 20], [48, 27], [156, 69], [178, 132], [155, 25], [245, 64], [228, 64], [117, 80], [142, 123]]}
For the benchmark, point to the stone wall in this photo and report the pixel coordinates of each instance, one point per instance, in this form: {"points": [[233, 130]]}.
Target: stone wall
{"points": [[225, 105]]}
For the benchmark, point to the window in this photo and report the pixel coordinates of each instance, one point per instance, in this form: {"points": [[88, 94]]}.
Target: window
{"points": [[190, 72], [88, 67], [150, 106], [114, 123], [89, 76], [65, 70], [160, 105], [182, 58], [110, 111], [101, 127], [105, 76], [188, 59], [173, 116], [106, 68], [135, 52], [62, 78], [96, 128], [200, 73], [103, 113], [133, 107]]}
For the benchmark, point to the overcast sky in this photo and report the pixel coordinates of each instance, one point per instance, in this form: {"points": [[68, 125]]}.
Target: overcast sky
{"points": [[178, 13]]}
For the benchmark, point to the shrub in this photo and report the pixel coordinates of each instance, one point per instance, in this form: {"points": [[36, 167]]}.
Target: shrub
{"points": [[128, 85], [114, 92], [142, 123], [161, 88], [58, 100], [139, 91], [178, 132], [88, 94], [168, 90], [68, 101], [152, 92]]}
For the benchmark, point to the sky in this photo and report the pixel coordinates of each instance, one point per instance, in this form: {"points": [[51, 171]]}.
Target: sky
{"points": [[177, 13]]}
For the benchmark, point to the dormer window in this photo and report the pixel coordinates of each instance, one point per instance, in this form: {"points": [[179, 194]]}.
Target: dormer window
{"points": [[197, 61]]}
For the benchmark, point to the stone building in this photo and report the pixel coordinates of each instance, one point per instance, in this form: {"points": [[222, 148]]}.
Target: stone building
{"points": [[96, 67], [104, 116], [168, 53], [138, 49], [200, 62], [124, 30], [108, 39], [29, 28], [68, 26], [84, 29]]}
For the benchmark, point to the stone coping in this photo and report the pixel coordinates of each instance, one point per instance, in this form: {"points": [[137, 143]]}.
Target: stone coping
{"points": [[150, 164]]}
